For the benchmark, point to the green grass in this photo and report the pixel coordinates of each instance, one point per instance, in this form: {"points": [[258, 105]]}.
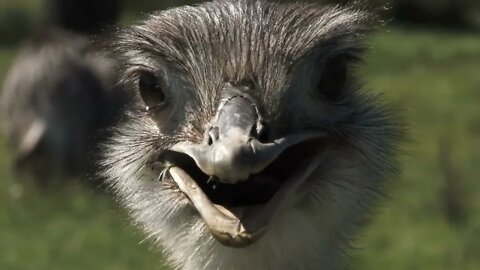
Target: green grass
{"points": [[69, 227], [18, 18], [433, 78]]}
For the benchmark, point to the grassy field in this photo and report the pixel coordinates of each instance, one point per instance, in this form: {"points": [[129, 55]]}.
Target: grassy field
{"points": [[433, 78]]}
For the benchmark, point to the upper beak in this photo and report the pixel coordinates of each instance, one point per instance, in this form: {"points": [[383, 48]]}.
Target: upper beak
{"points": [[30, 142], [233, 150]]}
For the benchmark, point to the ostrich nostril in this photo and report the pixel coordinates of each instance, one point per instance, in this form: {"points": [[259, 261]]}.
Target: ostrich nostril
{"points": [[211, 135], [260, 132]]}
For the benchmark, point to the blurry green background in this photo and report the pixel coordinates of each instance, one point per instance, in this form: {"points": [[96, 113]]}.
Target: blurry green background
{"points": [[427, 61]]}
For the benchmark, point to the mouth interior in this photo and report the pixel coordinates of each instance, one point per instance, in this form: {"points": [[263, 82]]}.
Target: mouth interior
{"points": [[259, 188]]}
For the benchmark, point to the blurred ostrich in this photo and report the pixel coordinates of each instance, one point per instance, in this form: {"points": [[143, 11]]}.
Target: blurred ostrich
{"points": [[60, 91], [57, 93], [249, 144]]}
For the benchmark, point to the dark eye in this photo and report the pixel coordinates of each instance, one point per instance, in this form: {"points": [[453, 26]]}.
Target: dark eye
{"points": [[150, 89], [333, 77]]}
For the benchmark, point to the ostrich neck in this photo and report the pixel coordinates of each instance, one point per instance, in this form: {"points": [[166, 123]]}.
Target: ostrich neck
{"points": [[298, 240]]}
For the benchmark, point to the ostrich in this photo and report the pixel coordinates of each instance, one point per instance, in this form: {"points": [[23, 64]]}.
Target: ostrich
{"points": [[248, 143], [60, 91], [57, 93]]}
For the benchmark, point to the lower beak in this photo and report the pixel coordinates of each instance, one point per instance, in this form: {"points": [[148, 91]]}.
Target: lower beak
{"points": [[242, 226]]}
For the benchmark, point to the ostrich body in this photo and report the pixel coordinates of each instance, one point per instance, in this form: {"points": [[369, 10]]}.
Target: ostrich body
{"points": [[57, 94], [248, 143]]}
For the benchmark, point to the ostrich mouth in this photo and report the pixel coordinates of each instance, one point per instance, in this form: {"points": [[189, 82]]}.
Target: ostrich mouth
{"points": [[238, 214]]}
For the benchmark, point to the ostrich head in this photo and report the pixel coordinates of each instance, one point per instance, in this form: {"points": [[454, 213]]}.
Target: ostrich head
{"points": [[249, 144], [57, 93]]}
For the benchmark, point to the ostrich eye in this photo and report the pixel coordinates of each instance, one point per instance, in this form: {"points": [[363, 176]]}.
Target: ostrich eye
{"points": [[333, 77], [150, 89]]}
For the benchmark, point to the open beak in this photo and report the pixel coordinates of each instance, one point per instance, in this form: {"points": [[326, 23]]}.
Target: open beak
{"points": [[252, 178], [30, 142]]}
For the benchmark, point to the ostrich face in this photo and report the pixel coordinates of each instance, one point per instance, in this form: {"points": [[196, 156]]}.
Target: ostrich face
{"points": [[248, 130]]}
